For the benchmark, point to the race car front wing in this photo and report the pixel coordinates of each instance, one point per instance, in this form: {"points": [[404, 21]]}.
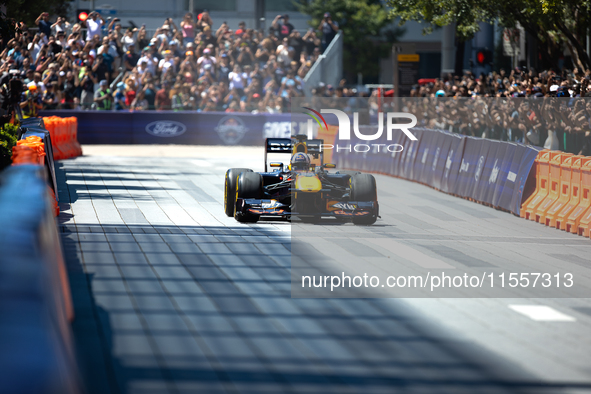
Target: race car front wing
{"points": [[333, 208]]}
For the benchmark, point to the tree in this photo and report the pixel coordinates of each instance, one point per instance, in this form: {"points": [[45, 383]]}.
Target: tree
{"points": [[553, 23], [362, 22], [28, 10]]}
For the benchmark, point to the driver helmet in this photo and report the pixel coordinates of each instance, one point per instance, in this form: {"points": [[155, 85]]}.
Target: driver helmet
{"points": [[300, 162]]}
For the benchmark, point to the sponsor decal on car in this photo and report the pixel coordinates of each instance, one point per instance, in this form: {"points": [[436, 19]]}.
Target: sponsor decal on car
{"points": [[166, 128], [270, 205], [345, 206]]}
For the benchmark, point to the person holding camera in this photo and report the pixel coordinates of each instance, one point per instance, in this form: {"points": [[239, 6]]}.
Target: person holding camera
{"points": [[87, 84], [329, 30], [61, 25], [94, 23], [31, 101], [281, 25], [44, 25], [103, 97]]}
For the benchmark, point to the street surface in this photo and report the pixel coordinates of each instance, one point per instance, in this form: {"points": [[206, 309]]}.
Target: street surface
{"points": [[172, 296]]}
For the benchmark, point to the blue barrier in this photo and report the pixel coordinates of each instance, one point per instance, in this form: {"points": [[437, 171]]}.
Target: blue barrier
{"points": [[492, 172], [443, 150], [37, 349], [452, 164], [508, 175], [488, 180], [191, 128]]}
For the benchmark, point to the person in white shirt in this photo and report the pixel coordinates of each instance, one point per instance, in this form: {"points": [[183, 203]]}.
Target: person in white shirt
{"points": [[166, 63], [237, 78], [35, 46], [128, 39], [61, 25], [205, 59], [148, 61], [94, 23]]}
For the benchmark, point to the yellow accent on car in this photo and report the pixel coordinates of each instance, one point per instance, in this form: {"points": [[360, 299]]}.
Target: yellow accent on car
{"points": [[306, 183]]}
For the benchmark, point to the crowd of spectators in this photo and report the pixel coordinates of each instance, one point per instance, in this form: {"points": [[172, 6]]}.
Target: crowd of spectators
{"points": [[552, 113], [97, 64], [545, 109]]}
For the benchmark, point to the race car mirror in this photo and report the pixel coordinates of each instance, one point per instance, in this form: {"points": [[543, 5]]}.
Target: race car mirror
{"points": [[276, 164], [329, 165]]}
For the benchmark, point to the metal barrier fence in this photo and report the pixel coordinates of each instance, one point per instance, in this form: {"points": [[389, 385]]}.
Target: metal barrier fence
{"points": [[328, 68]]}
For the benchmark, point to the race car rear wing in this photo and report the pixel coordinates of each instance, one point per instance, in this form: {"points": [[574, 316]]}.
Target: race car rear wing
{"points": [[286, 145]]}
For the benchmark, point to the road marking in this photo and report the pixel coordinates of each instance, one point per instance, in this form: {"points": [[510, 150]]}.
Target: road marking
{"points": [[408, 253], [541, 313]]}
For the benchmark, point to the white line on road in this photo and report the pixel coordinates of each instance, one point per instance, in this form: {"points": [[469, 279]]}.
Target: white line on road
{"points": [[541, 313]]}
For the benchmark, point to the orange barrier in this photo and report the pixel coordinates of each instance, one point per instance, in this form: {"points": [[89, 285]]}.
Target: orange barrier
{"points": [[582, 228], [542, 164], [572, 223], [564, 191], [64, 136], [556, 160], [575, 192], [28, 151], [55, 207], [32, 151]]}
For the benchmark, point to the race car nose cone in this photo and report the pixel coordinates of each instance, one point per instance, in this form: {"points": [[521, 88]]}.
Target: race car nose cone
{"points": [[308, 184]]}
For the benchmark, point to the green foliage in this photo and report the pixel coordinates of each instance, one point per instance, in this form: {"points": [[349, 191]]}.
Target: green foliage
{"points": [[28, 10], [8, 134], [362, 22], [553, 23]]}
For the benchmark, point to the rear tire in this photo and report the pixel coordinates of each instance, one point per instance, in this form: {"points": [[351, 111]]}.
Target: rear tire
{"points": [[230, 189], [250, 185], [363, 188]]}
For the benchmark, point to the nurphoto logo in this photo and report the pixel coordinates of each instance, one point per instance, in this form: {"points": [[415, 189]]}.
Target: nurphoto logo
{"points": [[344, 133]]}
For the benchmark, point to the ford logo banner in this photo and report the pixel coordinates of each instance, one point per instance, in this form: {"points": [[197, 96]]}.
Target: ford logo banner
{"points": [[166, 128]]}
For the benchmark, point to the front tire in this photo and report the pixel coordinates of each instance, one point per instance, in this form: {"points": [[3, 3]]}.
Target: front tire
{"points": [[363, 188], [250, 185], [230, 189]]}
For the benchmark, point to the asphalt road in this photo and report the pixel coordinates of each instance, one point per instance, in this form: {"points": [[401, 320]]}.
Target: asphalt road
{"points": [[171, 296]]}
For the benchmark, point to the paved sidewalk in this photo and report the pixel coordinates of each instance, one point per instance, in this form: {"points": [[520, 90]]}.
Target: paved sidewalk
{"points": [[171, 296]]}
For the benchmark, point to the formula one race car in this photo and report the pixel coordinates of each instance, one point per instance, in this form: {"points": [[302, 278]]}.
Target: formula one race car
{"points": [[303, 190]]}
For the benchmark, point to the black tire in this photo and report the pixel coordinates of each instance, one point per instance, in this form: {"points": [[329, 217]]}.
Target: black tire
{"points": [[363, 188], [250, 185], [230, 189]]}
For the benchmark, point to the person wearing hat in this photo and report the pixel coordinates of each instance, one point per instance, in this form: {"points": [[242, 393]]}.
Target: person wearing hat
{"points": [[130, 58], [148, 60], [31, 101], [50, 100], [102, 97], [207, 36], [44, 25], [166, 63], [119, 97], [205, 59], [329, 30], [281, 25]]}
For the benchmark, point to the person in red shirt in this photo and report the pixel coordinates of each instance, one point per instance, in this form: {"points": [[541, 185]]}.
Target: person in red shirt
{"points": [[130, 93], [163, 101]]}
